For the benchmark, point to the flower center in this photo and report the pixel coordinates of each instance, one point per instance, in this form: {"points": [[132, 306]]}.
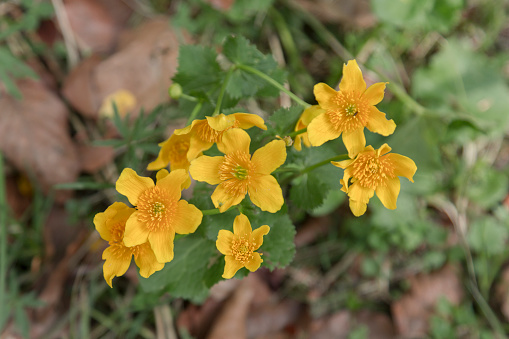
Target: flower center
{"points": [[372, 171], [178, 154], [207, 133], [242, 249], [240, 172], [350, 113], [156, 208]]}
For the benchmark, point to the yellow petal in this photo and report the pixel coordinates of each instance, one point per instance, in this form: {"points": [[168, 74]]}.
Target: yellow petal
{"points": [[161, 174], [132, 185], [388, 195], [359, 193], [321, 130], [206, 169], [403, 166], [196, 146], [310, 113], [375, 93], [268, 158], [187, 129], [357, 208], [163, 158], [101, 219], [352, 78], [242, 226], [297, 144], [354, 141], [266, 193], [231, 267], [343, 164], [187, 218], [324, 95], [172, 183], [136, 232], [146, 261], [377, 123], [254, 263], [234, 139], [224, 199], [257, 235], [383, 150], [221, 122], [162, 245], [247, 120], [224, 242], [116, 264]]}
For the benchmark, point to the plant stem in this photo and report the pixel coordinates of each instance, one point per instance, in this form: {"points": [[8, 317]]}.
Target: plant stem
{"points": [[223, 90], [3, 244], [194, 112], [324, 162], [215, 211], [294, 134], [188, 97], [273, 83]]}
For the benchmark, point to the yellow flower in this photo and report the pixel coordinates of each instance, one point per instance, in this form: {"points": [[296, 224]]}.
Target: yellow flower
{"points": [[123, 99], [374, 171], [159, 211], [237, 173], [204, 133], [239, 247], [111, 226], [348, 111], [307, 116], [173, 151]]}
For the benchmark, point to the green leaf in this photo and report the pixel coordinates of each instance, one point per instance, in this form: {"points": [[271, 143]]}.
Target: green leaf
{"points": [[308, 191], [278, 245], [198, 71], [244, 84], [283, 121], [487, 186], [244, 10], [190, 274], [488, 235]]}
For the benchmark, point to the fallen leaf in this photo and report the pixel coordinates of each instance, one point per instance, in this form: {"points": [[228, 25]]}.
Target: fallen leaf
{"points": [[311, 230], [144, 65], [93, 23], [412, 312], [349, 13], [34, 136], [93, 158], [272, 317]]}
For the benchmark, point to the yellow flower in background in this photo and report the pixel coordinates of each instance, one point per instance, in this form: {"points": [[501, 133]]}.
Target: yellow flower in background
{"points": [[239, 173], [348, 111], [174, 152], [204, 133], [123, 99], [374, 171], [309, 114], [159, 211], [111, 226], [239, 247]]}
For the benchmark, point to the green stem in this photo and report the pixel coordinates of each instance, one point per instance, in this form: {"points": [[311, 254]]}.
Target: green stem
{"points": [[188, 97], [215, 211], [294, 134], [3, 244], [195, 111], [273, 83], [223, 90], [324, 162]]}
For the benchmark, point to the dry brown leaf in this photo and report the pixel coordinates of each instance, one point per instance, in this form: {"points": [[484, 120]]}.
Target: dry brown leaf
{"points": [[94, 23], [93, 158], [272, 317], [412, 312], [311, 230], [339, 325], [501, 293], [144, 66], [34, 135], [347, 12]]}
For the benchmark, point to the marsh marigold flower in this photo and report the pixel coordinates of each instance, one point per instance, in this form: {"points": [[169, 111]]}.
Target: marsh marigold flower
{"points": [[174, 152], [309, 114], [348, 111], [374, 171], [159, 211], [111, 226], [239, 247], [204, 133], [237, 173]]}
